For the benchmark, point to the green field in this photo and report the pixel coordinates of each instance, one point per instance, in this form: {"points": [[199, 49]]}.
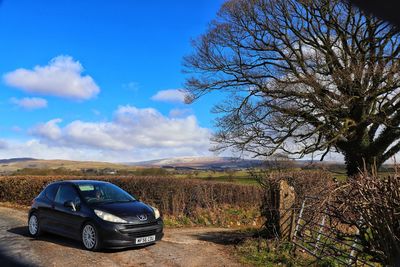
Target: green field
{"points": [[239, 176]]}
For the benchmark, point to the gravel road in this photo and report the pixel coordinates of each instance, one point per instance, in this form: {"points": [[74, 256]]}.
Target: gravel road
{"points": [[179, 247]]}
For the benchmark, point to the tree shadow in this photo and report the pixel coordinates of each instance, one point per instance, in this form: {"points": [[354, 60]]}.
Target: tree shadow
{"points": [[8, 261], [65, 241], [225, 237]]}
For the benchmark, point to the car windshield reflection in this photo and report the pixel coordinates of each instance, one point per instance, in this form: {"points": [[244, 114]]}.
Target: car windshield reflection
{"points": [[104, 194]]}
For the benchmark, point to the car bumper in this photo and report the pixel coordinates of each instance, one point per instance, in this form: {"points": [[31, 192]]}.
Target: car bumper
{"points": [[125, 235]]}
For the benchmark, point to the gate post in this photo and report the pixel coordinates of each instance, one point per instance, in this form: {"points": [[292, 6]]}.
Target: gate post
{"points": [[279, 210], [287, 198]]}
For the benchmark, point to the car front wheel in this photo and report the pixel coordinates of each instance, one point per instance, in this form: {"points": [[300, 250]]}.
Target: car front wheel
{"points": [[90, 238], [34, 225]]}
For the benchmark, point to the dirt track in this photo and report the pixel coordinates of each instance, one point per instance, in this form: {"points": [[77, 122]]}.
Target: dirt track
{"points": [[179, 247]]}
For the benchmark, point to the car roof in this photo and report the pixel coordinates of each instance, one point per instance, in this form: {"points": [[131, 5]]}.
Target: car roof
{"points": [[78, 182], [86, 181]]}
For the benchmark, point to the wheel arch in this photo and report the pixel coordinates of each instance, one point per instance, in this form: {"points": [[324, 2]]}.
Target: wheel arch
{"points": [[32, 210]]}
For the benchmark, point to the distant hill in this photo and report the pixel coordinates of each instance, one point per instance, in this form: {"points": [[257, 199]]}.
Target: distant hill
{"points": [[13, 160], [10, 165], [179, 163], [209, 163], [200, 163]]}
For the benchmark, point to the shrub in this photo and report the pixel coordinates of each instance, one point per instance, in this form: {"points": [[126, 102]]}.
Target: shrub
{"points": [[372, 205]]}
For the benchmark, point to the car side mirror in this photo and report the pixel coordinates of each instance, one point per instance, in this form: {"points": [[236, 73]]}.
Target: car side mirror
{"points": [[70, 204]]}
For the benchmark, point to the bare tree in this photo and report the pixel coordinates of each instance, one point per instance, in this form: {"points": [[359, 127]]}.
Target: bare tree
{"points": [[304, 77]]}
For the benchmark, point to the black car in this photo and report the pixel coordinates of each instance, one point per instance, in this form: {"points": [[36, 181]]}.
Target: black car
{"points": [[97, 213]]}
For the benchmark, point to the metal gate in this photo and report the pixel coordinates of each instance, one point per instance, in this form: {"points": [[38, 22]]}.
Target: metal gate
{"points": [[321, 235]]}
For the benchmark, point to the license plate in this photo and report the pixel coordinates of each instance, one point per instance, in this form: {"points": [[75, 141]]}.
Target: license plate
{"points": [[146, 239]]}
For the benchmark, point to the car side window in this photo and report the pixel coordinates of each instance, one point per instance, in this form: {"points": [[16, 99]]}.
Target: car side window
{"points": [[51, 191], [67, 193]]}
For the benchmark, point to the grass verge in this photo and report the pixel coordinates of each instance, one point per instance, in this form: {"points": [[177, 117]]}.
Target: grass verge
{"points": [[224, 216], [257, 251]]}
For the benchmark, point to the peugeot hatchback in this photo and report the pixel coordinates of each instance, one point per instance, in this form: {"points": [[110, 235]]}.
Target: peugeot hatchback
{"points": [[99, 214]]}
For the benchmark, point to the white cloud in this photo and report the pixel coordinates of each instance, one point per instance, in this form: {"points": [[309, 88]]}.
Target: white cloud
{"points": [[133, 133], [179, 112], [62, 77], [30, 103], [35, 148], [171, 95], [3, 144], [49, 130]]}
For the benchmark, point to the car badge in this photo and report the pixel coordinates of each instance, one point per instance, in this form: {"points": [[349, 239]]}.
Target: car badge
{"points": [[142, 217]]}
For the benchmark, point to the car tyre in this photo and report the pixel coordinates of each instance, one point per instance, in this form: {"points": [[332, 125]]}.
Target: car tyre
{"points": [[90, 237], [34, 225]]}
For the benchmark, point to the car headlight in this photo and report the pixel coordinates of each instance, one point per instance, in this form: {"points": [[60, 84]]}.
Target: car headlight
{"points": [[109, 217], [156, 212]]}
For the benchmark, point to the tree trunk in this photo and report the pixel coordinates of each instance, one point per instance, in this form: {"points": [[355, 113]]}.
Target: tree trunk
{"points": [[358, 162], [353, 164]]}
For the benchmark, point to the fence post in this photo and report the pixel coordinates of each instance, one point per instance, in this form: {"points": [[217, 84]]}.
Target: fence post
{"points": [[353, 248], [296, 230], [321, 228]]}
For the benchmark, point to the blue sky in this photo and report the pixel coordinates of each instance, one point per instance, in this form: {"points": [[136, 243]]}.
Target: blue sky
{"points": [[99, 80]]}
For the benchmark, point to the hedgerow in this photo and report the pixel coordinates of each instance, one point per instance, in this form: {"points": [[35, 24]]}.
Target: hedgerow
{"points": [[172, 195]]}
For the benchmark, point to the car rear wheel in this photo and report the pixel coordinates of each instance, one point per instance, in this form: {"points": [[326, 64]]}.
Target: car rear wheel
{"points": [[90, 238], [34, 225]]}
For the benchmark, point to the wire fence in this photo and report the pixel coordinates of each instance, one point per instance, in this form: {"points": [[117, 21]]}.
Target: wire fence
{"points": [[320, 234]]}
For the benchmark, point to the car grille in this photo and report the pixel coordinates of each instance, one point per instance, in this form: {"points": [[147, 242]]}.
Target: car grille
{"points": [[143, 233], [140, 225], [141, 229]]}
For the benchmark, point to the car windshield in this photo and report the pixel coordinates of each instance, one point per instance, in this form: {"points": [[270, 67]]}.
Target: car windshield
{"points": [[103, 193]]}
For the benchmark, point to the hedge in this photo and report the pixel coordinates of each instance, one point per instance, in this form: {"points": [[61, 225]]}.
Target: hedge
{"points": [[173, 196]]}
